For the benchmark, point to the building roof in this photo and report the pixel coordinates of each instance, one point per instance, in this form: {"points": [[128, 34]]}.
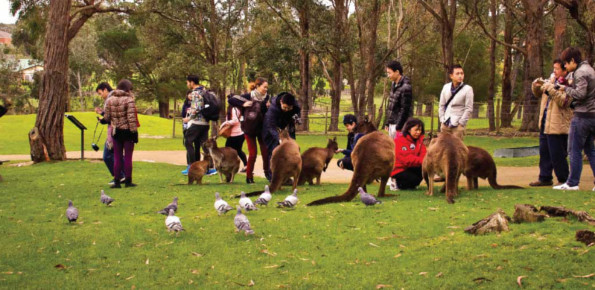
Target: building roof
{"points": [[4, 34], [26, 63]]}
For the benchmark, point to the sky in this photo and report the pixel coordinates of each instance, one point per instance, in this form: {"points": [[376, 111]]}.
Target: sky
{"points": [[5, 16]]}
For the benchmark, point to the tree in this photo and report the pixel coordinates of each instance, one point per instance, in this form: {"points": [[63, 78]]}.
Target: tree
{"points": [[583, 11], [446, 17]]}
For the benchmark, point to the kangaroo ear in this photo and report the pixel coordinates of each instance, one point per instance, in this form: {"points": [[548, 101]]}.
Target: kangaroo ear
{"points": [[335, 139], [279, 130]]}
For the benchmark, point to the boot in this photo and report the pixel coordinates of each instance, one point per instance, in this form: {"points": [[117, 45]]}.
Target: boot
{"points": [[116, 183], [128, 183], [249, 180], [268, 175]]}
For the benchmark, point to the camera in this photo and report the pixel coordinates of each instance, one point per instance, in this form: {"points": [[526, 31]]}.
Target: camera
{"points": [[95, 147], [297, 119]]}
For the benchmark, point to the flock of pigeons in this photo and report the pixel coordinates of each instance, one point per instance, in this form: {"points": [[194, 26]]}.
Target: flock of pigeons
{"points": [[241, 222]]}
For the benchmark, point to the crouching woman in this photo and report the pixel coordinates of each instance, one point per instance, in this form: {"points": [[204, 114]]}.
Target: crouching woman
{"points": [[409, 154]]}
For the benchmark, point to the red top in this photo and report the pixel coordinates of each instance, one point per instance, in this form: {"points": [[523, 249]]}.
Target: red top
{"points": [[408, 153]]}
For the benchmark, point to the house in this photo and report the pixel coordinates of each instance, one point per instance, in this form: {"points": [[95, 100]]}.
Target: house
{"points": [[28, 67], [5, 37]]}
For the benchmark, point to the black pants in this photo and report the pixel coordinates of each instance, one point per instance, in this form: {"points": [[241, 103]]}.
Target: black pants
{"points": [[552, 157], [347, 164], [236, 143], [409, 179], [195, 136]]}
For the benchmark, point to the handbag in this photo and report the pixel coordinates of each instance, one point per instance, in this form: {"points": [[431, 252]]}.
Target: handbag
{"points": [[225, 130]]}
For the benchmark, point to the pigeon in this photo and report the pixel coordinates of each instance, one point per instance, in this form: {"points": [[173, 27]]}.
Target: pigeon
{"points": [[246, 203], [173, 222], [72, 213], [173, 205], [367, 198], [221, 205], [290, 200], [265, 197], [242, 223], [105, 199]]}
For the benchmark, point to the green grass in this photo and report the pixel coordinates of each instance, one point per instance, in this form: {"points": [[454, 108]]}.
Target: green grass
{"points": [[335, 246]]}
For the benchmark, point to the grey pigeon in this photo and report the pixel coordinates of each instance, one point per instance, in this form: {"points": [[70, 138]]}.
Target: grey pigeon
{"points": [[72, 214], [221, 205], [105, 199], [367, 198], [242, 223], [173, 222], [290, 200], [246, 202], [265, 197], [173, 205]]}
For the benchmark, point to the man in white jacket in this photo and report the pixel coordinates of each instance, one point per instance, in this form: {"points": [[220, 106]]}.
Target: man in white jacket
{"points": [[456, 103]]}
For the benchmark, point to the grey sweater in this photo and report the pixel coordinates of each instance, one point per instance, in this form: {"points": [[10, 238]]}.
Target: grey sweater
{"points": [[582, 90]]}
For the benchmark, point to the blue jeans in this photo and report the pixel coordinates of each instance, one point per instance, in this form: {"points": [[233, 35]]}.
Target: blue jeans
{"points": [[552, 157], [108, 158], [580, 137]]}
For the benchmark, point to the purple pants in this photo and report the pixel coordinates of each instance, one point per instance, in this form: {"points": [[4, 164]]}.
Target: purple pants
{"points": [[123, 149]]}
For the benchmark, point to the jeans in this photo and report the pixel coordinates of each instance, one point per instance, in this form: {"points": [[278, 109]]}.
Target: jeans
{"points": [[108, 158], [552, 157], [580, 137]]}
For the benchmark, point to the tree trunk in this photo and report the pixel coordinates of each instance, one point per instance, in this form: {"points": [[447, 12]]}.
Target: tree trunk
{"points": [[429, 109], [475, 113], [304, 17], [54, 89], [337, 81], [352, 90], [492, 85], [164, 107], [368, 16], [80, 89], [560, 39], [419, 108], [507, 84]]}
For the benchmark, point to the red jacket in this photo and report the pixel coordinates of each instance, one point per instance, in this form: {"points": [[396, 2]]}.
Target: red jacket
{"points": [[408, 153]]}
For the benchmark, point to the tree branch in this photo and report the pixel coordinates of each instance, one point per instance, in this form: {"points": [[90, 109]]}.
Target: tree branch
{"points": [[431, 10], [291, 27], [488, 34]]}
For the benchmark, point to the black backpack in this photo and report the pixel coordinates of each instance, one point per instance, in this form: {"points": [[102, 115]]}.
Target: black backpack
{"points": [[211, 107], [253, 119]]}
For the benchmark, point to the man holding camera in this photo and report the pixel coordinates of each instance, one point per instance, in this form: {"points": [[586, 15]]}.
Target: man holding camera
{"points": [[104, 90]]}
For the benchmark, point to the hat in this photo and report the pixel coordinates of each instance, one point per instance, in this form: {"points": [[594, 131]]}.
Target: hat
{"points": [[349, 118]]}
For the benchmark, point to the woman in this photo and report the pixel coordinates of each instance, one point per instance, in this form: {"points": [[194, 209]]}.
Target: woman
{"points": [[409, 155], [236, 139], [120, 111], [257, 97]]}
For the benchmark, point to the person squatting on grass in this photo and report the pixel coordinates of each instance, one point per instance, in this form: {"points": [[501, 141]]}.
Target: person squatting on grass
{"points": [[254, 107], [104, 90], [400, 101], [456, 103], [350, 121], [120, 111], [582, 126], [410, 152], [554, 122], [198, 127]]}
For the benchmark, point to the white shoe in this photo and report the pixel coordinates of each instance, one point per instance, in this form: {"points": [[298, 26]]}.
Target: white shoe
{"points": [[594, 188], [393, 185], [565, 186]]}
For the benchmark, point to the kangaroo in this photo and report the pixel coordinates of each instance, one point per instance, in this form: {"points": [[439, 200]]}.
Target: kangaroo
{"points": [[315, 160], [225, 159], [197, 171], [481, 164], [373, 157], [447, 155]]}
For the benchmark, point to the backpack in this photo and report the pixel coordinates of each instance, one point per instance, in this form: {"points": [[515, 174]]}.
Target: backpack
{"points": [[253, 119], [212, 106]]}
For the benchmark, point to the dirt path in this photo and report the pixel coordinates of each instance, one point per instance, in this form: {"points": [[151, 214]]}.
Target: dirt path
{"points": [[521, 176]]}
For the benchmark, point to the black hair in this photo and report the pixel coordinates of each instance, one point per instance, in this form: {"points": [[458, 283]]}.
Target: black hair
{"points": [[349, 119], [192, 78], [395, 66], [412, 122], [103, 86], [452, 68], [124, 85], [287, 99], [560, 62], [571, 53]]}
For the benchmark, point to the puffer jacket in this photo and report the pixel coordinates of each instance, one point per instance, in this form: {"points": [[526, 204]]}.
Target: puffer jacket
{"points": [[120, 111], [400, 103], [557, 120]]}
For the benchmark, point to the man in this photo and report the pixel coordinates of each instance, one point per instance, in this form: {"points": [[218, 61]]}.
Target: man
{"points": [[349, 121], [554, 124], [104, 90], [400, 101], [198, 127], [456, 103], [582, 126]]}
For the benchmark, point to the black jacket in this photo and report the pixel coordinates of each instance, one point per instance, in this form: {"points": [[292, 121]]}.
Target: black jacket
{"points": [[238, 101], [277, 118], [400, 103]]}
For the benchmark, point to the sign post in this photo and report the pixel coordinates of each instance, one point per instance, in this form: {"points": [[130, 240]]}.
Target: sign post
{"points": [[82, 127]]}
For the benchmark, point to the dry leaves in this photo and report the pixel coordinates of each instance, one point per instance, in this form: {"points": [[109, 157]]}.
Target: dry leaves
{"points": [[397, 255], [423, 273], [439, 275], [381, 286], [374, 245], [585, 276], [129, 278], [271, 267], [194, 271], [519, 280], [265, 251], [196, 254], [60, 267]]}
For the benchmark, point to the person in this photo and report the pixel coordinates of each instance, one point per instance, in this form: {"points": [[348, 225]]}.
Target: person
{"points": [[582, 125], [410, 152], [283, 112], [236, 139], [252, 126], [400, 101], [456, 103], [104, 90], [120, 111], [349, 121], [554, 122], [198, 127], [185, 107]]}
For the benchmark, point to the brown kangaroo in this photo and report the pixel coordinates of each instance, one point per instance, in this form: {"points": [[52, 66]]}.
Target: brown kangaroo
{"points": [[315, 160], [197, 171], [447, 155], [481, 164], [225, 159], [373, 157]]}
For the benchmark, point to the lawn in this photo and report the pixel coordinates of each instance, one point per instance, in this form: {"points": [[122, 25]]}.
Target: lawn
{"points": [[409, 241]]}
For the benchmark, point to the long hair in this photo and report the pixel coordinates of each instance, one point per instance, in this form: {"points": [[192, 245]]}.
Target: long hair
{"points": [[412, 122]]}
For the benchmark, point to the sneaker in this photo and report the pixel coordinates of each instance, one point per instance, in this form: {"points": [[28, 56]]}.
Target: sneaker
{"points": [[393, 184], [185, 171], [541, 183], [211, 171], [112, 182], [565, 186], [243, 169]]}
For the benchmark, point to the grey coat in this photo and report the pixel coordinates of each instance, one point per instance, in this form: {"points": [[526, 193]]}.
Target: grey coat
{"points": [[582, 90]]}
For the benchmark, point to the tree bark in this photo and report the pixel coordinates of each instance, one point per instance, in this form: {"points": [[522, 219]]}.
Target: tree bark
{"points": [[337, 81], [507, 84], [560, 39], [164, 107], [368, 17], [304, 51], [446, 17], [492, 85]]}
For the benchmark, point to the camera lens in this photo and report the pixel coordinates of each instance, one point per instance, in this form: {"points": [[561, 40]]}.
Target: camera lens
{"points": [[94, 146]]}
